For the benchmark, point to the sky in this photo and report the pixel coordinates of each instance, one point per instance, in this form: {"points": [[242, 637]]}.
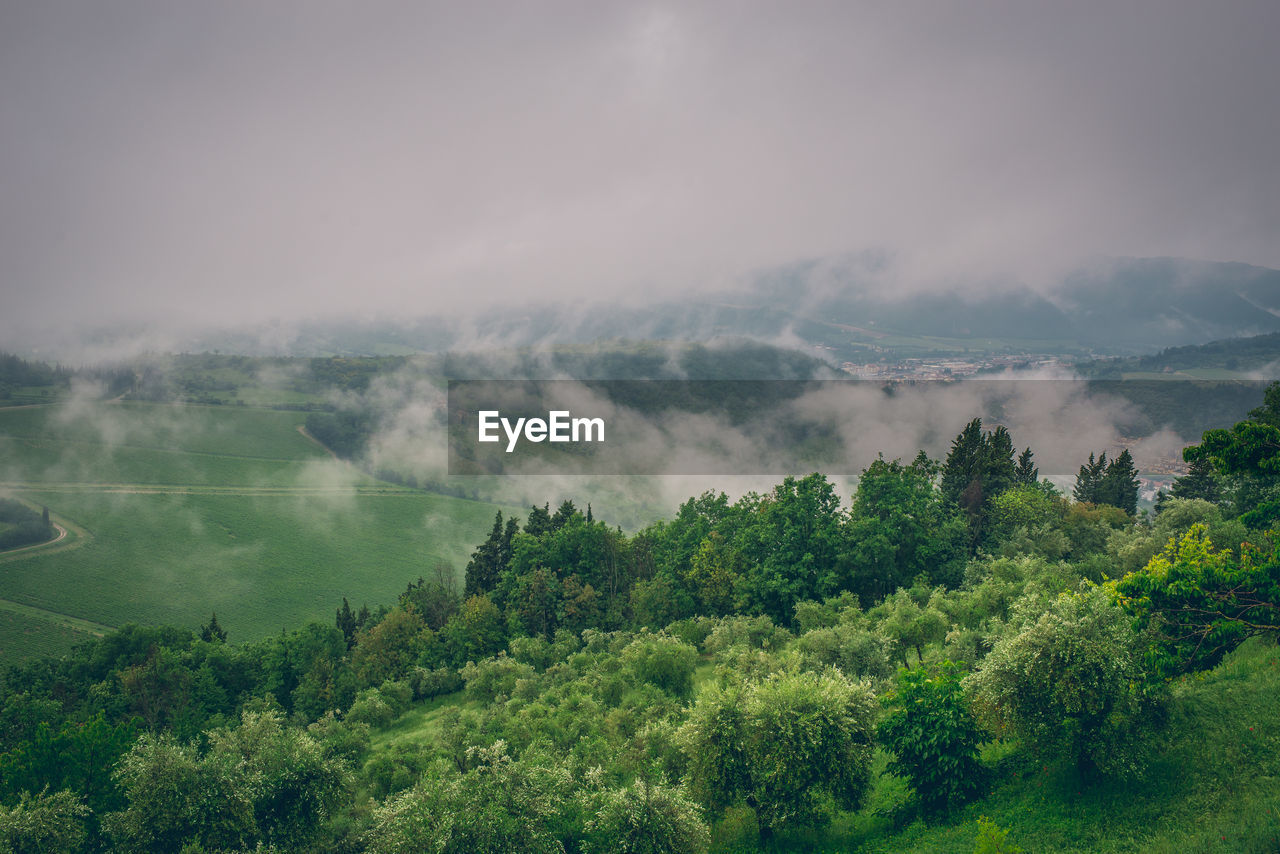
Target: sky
{"points": [[175, 162]]}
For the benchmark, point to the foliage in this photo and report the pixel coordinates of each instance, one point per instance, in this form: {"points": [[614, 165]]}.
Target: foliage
{"points": [[645, 818], [901, 528], [1201, 602], [994, 839], [778, 744], [1072, 683], [259, 782], [1114, 483], [1250, 452], [1133, 547], [662, 661], [934, 737], [499, 805], [21, 526], [43, 823]]}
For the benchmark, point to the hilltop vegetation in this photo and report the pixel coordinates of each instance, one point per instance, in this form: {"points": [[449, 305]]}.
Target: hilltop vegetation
{"points": [[778, 672], [1228, 359]]}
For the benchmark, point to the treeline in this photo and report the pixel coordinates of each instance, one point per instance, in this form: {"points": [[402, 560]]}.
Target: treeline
{"points": [[19, 379], [1231, 354], [22, 526], [738, 662]]}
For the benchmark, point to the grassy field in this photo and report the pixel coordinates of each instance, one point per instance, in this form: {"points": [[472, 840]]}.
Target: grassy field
{"points": [[180, 511]]}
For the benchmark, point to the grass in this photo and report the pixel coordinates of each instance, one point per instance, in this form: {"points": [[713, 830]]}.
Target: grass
{"points": [[1214, 786], [23, 636], [180, 511]]}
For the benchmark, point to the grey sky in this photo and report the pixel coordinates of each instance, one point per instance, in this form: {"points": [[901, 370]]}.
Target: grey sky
{"points": [[227, 161]]}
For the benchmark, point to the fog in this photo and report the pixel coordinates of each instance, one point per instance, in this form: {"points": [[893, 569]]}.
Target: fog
{"points": [[177, 165]]}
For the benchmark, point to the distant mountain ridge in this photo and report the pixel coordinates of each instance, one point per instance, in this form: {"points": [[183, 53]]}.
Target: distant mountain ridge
{"points": [[1126, 306]]}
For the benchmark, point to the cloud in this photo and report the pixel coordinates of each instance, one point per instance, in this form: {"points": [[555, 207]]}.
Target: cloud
{"points": [[182, 164]]}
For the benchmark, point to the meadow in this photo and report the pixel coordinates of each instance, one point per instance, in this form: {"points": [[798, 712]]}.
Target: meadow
{"points": [[188, 510]]}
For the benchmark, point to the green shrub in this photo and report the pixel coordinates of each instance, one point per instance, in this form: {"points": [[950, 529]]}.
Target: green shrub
{"points": [[934, 737]]}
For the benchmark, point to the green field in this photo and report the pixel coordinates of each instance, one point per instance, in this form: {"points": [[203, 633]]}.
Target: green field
{"points": [[179, 511]]}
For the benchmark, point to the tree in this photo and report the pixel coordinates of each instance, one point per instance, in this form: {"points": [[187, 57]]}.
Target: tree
{"points": [[435, 599], [1201, 481], [490, 558], [779, 744], [1026, 473], [1090, 479], [1072, 683], [646, 818], [979, 467], [1119, 486], [964, 461], [909, 625], [499, 805], [539, 521], [934, 737], [211, 632], [345, 621], [1201, 602], [43, 822], [901, 528], [793, 546], [1249, 454]]}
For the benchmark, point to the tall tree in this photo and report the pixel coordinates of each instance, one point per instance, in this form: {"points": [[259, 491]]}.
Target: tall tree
{"points": [[1119, 486], [1201, 481], [1025, 472], [487, 561], [1089, 479], [212, 632], [539, 521], [345, 620], [964, 461], [998, 469]]}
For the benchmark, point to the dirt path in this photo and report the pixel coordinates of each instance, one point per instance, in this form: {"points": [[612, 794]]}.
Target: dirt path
{"points": [[302, 428], [70, 536], [62, 534]]}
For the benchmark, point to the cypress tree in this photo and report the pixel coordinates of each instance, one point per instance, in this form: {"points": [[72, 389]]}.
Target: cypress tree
{"points": [[998, 469], [345, 620], [1119, 486], [1026, 473], [211, 632], [539, 521], [485, 564], [1090, 479], [964, 461]]}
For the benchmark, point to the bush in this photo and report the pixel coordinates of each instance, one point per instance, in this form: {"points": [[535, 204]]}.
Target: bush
{"points": [[371, 708], [856, 651], [934, 737], [782, 746], [662, 661], [494, 677], [427, 684], [43, 822], [646, 819], [1072, 682]]}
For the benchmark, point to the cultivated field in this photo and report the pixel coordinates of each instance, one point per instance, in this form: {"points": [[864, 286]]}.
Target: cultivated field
{"points": [[175, 512]]}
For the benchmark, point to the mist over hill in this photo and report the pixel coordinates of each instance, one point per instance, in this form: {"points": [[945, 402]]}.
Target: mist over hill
{"points": [[1119, 307]]}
